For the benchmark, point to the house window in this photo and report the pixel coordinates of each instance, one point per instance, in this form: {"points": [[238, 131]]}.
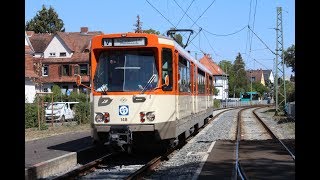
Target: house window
{"points": [[253, 79], [83, 69], [45, 89], [76, 69], [45, 70], [52, 54], [63, 54], [65, 70]]}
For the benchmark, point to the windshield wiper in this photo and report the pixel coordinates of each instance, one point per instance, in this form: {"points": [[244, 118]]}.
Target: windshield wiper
{"points": [[103, 87], [148, 83]]}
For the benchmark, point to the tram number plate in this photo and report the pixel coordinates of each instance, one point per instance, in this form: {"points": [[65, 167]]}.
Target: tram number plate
{"points": [[124, 119]]}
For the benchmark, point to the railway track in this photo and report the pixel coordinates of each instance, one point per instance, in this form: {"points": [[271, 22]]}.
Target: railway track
{"points": [[106, 168], [121, 166], [254, 152]]}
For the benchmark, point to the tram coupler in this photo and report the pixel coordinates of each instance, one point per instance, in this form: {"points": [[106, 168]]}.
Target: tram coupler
{"points": [[120, 136]]}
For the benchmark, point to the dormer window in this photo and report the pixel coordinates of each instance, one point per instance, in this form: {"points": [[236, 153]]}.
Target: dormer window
{"points": [[63, 54], [52, 54]]}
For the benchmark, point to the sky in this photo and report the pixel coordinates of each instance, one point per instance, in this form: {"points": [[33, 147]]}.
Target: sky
{"points": [[220, 26]]}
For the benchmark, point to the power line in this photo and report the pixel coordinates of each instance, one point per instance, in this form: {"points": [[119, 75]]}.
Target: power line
{"points": [[254, 18], [165, 17], [160, 13], [210, 45], [185, 12], [261, 64], [261, 40], [248, 32], [226, 34], [203, 13]]}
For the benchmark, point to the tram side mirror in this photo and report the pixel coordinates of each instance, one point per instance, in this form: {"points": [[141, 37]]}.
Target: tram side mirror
{"points": [[78, 79]]}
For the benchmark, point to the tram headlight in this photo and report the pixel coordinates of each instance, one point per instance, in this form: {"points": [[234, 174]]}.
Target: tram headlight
{"points": [[99, 117], [150, 116]]}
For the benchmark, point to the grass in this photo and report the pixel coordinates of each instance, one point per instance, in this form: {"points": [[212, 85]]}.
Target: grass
{"points": [[34, 133]]}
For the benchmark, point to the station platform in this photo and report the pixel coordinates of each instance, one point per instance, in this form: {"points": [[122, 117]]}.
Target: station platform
{"points": [[257, 161], [47, 156]]}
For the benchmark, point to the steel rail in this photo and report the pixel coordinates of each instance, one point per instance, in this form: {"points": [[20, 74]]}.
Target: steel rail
{"points": [[272, 134]]}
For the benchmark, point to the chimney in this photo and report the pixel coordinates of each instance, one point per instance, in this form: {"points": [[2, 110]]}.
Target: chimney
{"points": [[84, 30]]}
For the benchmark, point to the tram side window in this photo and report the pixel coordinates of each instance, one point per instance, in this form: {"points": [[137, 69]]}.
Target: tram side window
{"points": [[184, 71], [167, 68], [201, 82]]}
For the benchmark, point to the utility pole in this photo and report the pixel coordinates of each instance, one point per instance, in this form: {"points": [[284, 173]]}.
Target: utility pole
{"points": [[279, 66]]}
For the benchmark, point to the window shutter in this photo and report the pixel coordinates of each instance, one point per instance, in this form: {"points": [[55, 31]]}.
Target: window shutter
{"points": [[69, 72], [60, 70]]}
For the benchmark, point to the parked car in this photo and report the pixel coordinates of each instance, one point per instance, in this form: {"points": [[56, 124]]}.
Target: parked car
{"points": [[60, 111]]}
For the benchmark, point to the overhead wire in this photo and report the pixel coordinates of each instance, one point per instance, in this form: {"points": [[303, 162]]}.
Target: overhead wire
{"points": [[185, 12]]}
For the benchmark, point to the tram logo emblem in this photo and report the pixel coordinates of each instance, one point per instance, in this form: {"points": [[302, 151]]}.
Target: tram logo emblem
{"points": [[123, 99], [123, 110]]}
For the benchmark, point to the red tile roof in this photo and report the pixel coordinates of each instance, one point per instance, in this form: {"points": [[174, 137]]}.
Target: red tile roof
{"points": [[40, 41], [76, 41], [208, 62], [257, 74]]}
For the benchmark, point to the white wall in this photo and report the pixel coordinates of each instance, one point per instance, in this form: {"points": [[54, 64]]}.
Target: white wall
{"points": [[57, 46], [30, 90], [271, 77], [221, 83]]}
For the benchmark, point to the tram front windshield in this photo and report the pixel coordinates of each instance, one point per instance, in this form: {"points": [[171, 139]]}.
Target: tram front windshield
{"points": [[125, 70]]}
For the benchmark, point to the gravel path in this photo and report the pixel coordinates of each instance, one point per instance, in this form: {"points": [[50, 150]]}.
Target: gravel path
{"points": [[281, 127]]}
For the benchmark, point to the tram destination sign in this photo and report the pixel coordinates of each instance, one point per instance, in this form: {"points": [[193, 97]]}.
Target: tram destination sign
{"points": [[124, 41]]}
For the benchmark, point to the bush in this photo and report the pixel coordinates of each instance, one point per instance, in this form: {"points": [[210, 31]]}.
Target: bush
{"points": [[216, 103], [82, 112], [31, 114]]}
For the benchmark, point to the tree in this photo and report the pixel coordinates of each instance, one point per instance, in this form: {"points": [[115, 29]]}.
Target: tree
{"points": [[238, 78], [138, 25], [289, 57], [178, 39], [45, 21], [151, 31], [225, 65], [260, 88]]}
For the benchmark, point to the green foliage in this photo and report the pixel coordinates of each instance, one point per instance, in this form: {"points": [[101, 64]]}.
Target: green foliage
{"points": [[216, 103], [45, 21], [178, 39], [290, 89], [74, 96], [225, 65], [151, 31], [260, 88], [215, 91], [31, 114], [82, 112], [290, 57], [57, 95]]}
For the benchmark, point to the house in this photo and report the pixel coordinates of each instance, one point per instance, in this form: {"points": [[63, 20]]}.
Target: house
{"points": [[62, 55], [220, 77], [30, 75], [268, 77], [265, 77]]}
